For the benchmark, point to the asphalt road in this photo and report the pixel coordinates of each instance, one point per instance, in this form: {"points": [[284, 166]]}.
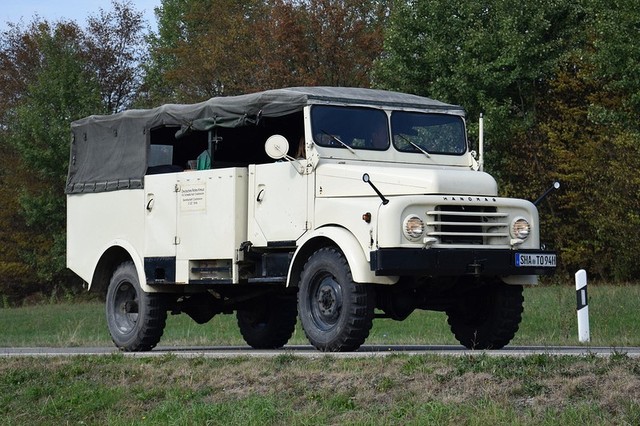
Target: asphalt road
{"points": [[309, 351]]}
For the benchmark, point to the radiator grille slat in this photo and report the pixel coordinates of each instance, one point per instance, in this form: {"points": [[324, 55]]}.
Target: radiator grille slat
{"points": [[467, 225]]}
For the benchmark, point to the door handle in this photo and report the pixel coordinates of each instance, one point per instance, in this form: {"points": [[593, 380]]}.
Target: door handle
{"points": [[150, 203]]}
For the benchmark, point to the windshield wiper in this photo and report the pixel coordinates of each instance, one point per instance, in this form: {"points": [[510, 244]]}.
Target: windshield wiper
{"points": [[415, 146], [335, 138]]}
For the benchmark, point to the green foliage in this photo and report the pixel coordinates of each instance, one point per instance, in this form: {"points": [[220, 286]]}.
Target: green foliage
{"points": [[14, 235], [206, 48], [62, 90], [557, 81], [493, 57], [596, 214], [616, 59], [50, 75]]}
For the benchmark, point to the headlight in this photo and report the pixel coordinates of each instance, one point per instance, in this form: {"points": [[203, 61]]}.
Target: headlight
{"points": [[413, 227], [520, 229]]}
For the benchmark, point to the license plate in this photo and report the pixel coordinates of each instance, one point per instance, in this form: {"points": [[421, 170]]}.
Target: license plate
{"points": [[537, 260]]}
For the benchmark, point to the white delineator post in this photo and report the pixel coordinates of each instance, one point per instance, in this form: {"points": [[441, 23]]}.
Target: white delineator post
{"points": [[481, 143], [582, 306]]}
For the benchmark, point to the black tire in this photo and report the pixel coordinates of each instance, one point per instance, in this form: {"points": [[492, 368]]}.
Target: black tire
{"points": [[135, 319], [271, 325], [336, 313], [487, 318]]}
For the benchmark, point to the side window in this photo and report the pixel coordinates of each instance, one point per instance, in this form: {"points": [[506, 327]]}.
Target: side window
{"points": [[241, 146], [166, 154], [221, 146], [160, 155]]}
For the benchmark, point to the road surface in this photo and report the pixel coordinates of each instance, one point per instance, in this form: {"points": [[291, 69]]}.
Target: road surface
{"points": [[309, 351]]}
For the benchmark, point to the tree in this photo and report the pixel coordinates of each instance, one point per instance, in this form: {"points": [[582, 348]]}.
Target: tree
{"points": [[616, 59], [15, 237], [206, 48], [493, 57], [19, 60], [115, 47], [62, 90], [321, 42], [593, 144], [558, 83], [50, 75], [201, 49], [171, 16]]}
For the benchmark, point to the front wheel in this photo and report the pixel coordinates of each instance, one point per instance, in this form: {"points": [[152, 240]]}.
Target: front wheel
{"points": [[487, 317], [136, 319], [336, 313]]}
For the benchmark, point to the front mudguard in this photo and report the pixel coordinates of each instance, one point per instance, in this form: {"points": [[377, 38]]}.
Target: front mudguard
{"points": [[347, 243]]}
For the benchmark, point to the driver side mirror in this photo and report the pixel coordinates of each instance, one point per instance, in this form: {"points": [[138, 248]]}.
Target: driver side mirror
{"points": [[277, 147]]}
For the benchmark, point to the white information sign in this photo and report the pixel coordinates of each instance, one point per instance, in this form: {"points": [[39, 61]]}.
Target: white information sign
{"points": [[193, 197]]}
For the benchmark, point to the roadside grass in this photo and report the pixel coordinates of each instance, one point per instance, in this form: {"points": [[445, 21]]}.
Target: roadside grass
{"points": [[396, 389], [549, 319]]}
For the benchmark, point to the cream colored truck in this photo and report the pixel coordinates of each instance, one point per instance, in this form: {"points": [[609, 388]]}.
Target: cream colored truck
{"points": [[336, 205]]}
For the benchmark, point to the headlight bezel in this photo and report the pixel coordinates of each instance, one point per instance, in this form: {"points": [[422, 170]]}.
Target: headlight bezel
{"points": [[413, 227], [520, 228]]}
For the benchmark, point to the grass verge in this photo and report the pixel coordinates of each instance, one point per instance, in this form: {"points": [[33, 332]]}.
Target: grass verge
{"points": [[396, 389], [549, 319]]}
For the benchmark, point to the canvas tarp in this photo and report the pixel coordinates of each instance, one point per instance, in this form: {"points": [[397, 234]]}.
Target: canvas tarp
{"points": [[109, 152]]}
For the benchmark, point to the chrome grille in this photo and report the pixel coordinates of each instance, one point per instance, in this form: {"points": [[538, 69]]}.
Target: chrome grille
{"points": [[467, 225]]}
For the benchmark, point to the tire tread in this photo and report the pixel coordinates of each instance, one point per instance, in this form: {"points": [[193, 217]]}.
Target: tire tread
{"points": [[150, 331], [499, 328], [361, 307]]}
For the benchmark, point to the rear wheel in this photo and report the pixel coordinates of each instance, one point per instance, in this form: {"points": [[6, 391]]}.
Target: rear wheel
{"points": [[136, 319], [487, 317], [336, 313], [270, 325]]}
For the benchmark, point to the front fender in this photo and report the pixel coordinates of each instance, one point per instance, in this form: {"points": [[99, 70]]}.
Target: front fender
{"points": [[348, 245]]}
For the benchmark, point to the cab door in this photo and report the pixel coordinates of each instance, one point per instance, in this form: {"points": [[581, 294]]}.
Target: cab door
{"points": [[160, 228], [278, 203]]}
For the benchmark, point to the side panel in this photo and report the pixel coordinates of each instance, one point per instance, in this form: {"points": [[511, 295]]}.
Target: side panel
{"points": [[278, 203], [95, 221], [211, 217], [348, 213]]}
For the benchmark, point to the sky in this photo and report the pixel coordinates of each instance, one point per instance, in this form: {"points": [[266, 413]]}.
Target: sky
{"points": [[76, 10]]}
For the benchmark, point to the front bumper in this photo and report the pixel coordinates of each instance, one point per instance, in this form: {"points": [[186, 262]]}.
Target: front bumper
{"points": [[454, 262]]}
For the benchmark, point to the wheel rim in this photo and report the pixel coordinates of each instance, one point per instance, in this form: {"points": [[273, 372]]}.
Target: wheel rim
{"points": [[125, 307], [326, 301]]}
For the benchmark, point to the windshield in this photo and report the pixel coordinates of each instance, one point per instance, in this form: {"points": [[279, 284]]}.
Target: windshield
{"points": [[350, 127], [431, 133]]}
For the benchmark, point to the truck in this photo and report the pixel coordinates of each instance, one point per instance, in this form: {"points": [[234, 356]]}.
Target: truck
{"points": [[329, 204]]}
